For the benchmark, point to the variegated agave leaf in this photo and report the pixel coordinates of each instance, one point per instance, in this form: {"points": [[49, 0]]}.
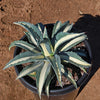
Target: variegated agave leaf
{"points": [[56, 65], [61, 39], [50, 76], [40, 26], [68, 28], [30, 68], [63, 27], [46, 47], [25, 45], [73, 43], [42, 72], [69, 76], [56, 28], [24, 58], [43, 75], [73, 58], [59, 27], [34, 32], [45, 34]]}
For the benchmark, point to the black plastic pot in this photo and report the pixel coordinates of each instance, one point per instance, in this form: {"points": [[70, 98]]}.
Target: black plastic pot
{"points": [[67, 93]]}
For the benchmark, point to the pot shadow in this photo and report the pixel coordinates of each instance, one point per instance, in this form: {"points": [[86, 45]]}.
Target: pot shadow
{"points": [[91, 25]]}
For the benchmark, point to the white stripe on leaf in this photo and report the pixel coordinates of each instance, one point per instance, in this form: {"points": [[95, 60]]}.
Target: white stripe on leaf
{"points": [[68, 28], [77, 59], [24, 58], [43, 75], [24, 45], [64, 39], [30, 68], [73, 42], [55, 28]]}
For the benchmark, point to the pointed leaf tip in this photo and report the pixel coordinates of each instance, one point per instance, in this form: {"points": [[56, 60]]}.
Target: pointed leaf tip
{"points": [[17, 78], [4, 68], [15, 22], [9, 48]]}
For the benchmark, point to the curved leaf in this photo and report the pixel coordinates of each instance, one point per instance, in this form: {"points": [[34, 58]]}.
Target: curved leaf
{"points": [[56, 65], [55, 28], [32, 29], [68, 28], [73, 43], [63, 27], [62, 38], [60, 28], [38, 71], [83, 69], [46, 47], [48, 81], [24, 45], [31, 38], [68, 75], [74, 59], [24, 58], [29, 69], [70, 78], [43, 75], [40, 26]]}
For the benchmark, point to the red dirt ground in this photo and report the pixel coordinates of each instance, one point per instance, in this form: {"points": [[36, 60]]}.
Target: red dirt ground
{"points": [[34, 11]]}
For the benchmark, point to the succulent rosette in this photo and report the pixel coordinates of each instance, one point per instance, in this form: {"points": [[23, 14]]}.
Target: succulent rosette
{"points": [[46, 55]]}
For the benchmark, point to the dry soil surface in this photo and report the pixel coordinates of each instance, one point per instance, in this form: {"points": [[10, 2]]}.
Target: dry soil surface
{"points": [[35, 11]]}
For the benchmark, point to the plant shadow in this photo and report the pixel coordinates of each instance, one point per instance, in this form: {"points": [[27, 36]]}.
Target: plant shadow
{"points": [[91, 25]]}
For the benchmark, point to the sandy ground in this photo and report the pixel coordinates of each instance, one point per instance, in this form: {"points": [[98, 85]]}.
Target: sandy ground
{"points": [[45, 11], [93, 88]]}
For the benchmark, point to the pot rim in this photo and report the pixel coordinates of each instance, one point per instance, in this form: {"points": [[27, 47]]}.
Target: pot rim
{"points": [[59, 91]]}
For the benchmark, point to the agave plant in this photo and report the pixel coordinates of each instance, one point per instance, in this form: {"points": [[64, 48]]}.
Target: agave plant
{"points": [[46, 55]]}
